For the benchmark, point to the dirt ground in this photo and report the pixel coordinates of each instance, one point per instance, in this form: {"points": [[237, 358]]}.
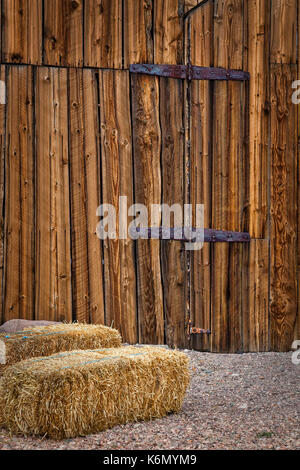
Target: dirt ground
{"points": [[242, 401]]}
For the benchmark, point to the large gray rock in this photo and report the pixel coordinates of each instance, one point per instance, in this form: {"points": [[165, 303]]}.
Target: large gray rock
{"points": [[12, 326]]}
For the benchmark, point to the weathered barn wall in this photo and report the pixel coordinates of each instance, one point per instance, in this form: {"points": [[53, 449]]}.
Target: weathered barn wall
{"points": [[78, 129]]}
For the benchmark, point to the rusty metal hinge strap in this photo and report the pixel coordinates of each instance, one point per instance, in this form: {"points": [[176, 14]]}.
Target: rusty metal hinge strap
{"points": [[179, 234], [190, 72]]}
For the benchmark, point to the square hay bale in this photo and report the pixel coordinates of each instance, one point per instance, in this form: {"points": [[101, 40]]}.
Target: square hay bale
{"points": [[82, 392], [50, 339]]}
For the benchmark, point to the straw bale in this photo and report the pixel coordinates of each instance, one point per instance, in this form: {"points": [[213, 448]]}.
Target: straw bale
{"points": [[50, 339], [81, 392]]}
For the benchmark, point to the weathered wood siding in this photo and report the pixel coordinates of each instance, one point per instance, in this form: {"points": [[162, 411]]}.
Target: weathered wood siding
{"points": [[78, 129]]}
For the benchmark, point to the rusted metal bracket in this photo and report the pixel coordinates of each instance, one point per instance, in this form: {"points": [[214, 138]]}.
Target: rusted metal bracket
{"points": [[190, 72], [192, 330], [209, 235]]}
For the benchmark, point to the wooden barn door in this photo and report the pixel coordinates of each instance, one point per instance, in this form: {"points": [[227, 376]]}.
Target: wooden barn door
{"points": [[218, 172], [158, 150], [189, 129]]}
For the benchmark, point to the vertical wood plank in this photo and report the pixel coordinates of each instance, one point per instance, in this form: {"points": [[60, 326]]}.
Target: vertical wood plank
{"points": [[138, 37], [228, 30], [283, 305], [186, 175], [103, 33], [168, 31], [226, 178], [2, 167], [283, 32], [256, 203], [256, 296], [226, 293], [87, 279], [147, 175], [22, 31], [200, 42], [297, 327], [173, 253], [200, 182], [19, 196], [256, 179], [80, 282], [1, 17], [201, 53], [53, 251], [92, 163], [117, 180], [63, 32]]}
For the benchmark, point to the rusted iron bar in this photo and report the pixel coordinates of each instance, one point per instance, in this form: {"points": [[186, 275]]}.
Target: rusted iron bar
{"points": [[198, 331], [173, 71], [190, 72], [210, 235], [217, 73], [193, 330]]}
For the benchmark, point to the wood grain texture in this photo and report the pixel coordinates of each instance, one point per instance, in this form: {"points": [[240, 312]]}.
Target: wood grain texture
{"points": [[92, 162], [173, 255], [283, 206], [200, 192], [228, 109], [226, 294], [63, 32], [2, 180], [256, 179], [19, 196], [117, 180], [103, 33], [200, 52], [200, 43], [256, 185], [226, 178], [22, 31], [297, 326], [283, 32], [257, 63], [227, 157], [138, 37], [147, 176], [187, 169], [87, 279], [189, 4], [53, 250], [168, 31], [80, 281], [1, 16], [228, 34], [255, 269]]}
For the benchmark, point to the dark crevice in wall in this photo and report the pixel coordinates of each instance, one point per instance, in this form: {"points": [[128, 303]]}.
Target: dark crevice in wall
{"points": [[135, 243], [34, 144], [70, 197], [4, 150], [100, 189]]}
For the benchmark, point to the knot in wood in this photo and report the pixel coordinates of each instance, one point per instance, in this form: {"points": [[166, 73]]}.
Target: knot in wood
{"points": [[75, 4]]}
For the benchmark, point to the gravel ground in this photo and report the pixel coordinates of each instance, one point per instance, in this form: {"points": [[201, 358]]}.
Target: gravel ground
{"points": [[244, 401]]}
